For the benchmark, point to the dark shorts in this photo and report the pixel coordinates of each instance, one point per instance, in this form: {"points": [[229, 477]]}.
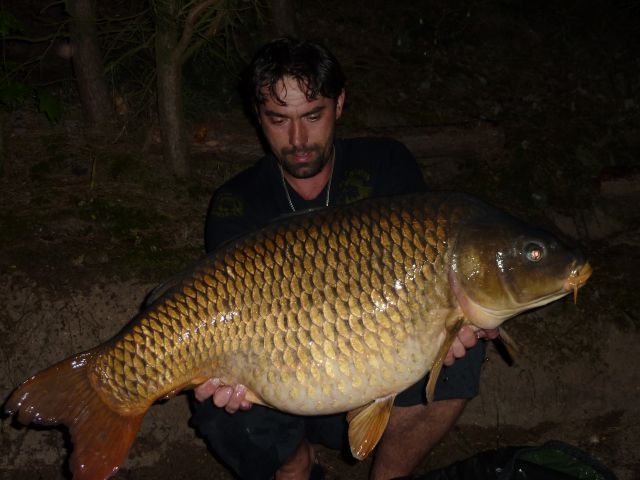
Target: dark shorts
{"points": [[253, 444]]}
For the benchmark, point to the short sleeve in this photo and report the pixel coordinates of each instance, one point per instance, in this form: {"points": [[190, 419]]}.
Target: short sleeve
{"points": [[226, 218]]}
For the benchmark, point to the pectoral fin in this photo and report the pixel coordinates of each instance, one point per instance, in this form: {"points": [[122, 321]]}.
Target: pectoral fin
{"points": [[452, 332], [512, 346], [367, 424], [507, 347]]}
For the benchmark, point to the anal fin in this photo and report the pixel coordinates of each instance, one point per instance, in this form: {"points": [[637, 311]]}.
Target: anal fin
{"points": [[367, 424], [434, 373]]}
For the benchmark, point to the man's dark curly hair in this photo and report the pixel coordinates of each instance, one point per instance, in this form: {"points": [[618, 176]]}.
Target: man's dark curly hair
{"points": [[311, 64]]}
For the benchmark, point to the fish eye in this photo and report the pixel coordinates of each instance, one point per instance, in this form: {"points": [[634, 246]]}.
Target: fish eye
{"points": [[534, 251]]}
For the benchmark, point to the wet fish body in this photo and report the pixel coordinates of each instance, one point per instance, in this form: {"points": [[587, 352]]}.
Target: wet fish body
{"points": [[321, 313]]}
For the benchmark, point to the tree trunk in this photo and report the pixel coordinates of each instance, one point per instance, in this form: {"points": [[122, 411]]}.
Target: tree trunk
{"points": [[169, 71], [3, 144], [87, 62], [283, 16]]}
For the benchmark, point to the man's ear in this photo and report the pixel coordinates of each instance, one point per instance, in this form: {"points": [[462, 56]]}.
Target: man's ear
{"points": [[340, 103]]}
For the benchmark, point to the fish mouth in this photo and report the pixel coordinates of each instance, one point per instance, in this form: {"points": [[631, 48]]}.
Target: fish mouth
{"points": [[577, 279]]}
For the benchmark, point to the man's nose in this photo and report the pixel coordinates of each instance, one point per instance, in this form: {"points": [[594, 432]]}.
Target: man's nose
{"points": [[297, 134]]}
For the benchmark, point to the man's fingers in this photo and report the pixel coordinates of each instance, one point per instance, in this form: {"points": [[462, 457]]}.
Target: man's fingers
{"points": [[467, 338], [492, 334], [206, 389], [449, 359], [488, 334], [457, 350], [231, 398], [235, 398], [222, 396]]}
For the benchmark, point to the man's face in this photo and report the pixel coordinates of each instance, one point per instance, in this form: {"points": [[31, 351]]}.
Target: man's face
{"points": [[300, 132]]}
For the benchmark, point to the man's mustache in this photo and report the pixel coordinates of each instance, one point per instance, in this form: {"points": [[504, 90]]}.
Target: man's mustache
{"points": [[298, 150]]}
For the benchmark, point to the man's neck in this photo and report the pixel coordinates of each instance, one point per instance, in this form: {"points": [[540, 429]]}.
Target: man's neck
{"points": [[310, 188]]}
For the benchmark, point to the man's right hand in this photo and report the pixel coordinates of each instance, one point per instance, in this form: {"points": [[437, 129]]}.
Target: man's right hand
{"points": [[231, 398]]}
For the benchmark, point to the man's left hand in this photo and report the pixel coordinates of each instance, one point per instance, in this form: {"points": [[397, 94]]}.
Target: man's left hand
{"points": [[467, 338]]}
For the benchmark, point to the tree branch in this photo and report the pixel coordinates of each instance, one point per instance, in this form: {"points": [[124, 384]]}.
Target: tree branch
{"points": [[208, 35], [189, 24], [146, 44]]}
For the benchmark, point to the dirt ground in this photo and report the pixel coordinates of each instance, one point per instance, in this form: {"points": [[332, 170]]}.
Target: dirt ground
{"points": [[90, 222]]}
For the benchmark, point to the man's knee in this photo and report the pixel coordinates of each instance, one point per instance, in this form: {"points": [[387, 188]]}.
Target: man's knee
{"points": [[253, 443]]}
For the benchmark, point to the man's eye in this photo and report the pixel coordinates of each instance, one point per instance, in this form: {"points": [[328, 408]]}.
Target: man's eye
{"points": [[313, 118], [277, 121]]}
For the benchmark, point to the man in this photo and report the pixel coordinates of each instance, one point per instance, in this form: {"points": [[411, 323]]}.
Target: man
{"points": [[297, 93]]}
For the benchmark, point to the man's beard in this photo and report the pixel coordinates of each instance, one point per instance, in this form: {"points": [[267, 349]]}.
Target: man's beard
{"points": [[304, 169]]}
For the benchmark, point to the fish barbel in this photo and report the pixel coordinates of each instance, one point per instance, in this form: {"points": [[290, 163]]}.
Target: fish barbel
{"points": [[337, 310]]}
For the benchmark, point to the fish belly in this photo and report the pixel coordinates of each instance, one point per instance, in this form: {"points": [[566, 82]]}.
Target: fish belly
{"points": [[341, 379]]}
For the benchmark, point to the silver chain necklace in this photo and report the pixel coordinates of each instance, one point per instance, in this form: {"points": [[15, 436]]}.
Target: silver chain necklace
{"points": [[286, 189]]}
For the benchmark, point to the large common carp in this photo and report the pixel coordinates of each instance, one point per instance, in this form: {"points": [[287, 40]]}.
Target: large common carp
{"points": [[331, 311]]}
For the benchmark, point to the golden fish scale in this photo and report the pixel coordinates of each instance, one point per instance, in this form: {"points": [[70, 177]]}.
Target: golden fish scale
{"points": [[313, 315]]}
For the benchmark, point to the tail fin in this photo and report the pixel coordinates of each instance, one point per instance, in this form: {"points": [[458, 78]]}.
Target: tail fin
{"points": [[64, 394]]}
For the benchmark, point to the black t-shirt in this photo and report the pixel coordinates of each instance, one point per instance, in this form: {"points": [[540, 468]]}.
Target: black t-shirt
{"points": [[364, 167]]}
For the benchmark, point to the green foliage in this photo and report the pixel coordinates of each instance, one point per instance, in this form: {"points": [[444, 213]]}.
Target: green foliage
{"points": [[13, 91], [222, 34], [9, 23], [221, 37], [48, 104]]}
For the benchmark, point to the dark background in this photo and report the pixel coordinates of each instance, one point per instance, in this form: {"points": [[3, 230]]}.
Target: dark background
{"points": [[533, 106]]}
